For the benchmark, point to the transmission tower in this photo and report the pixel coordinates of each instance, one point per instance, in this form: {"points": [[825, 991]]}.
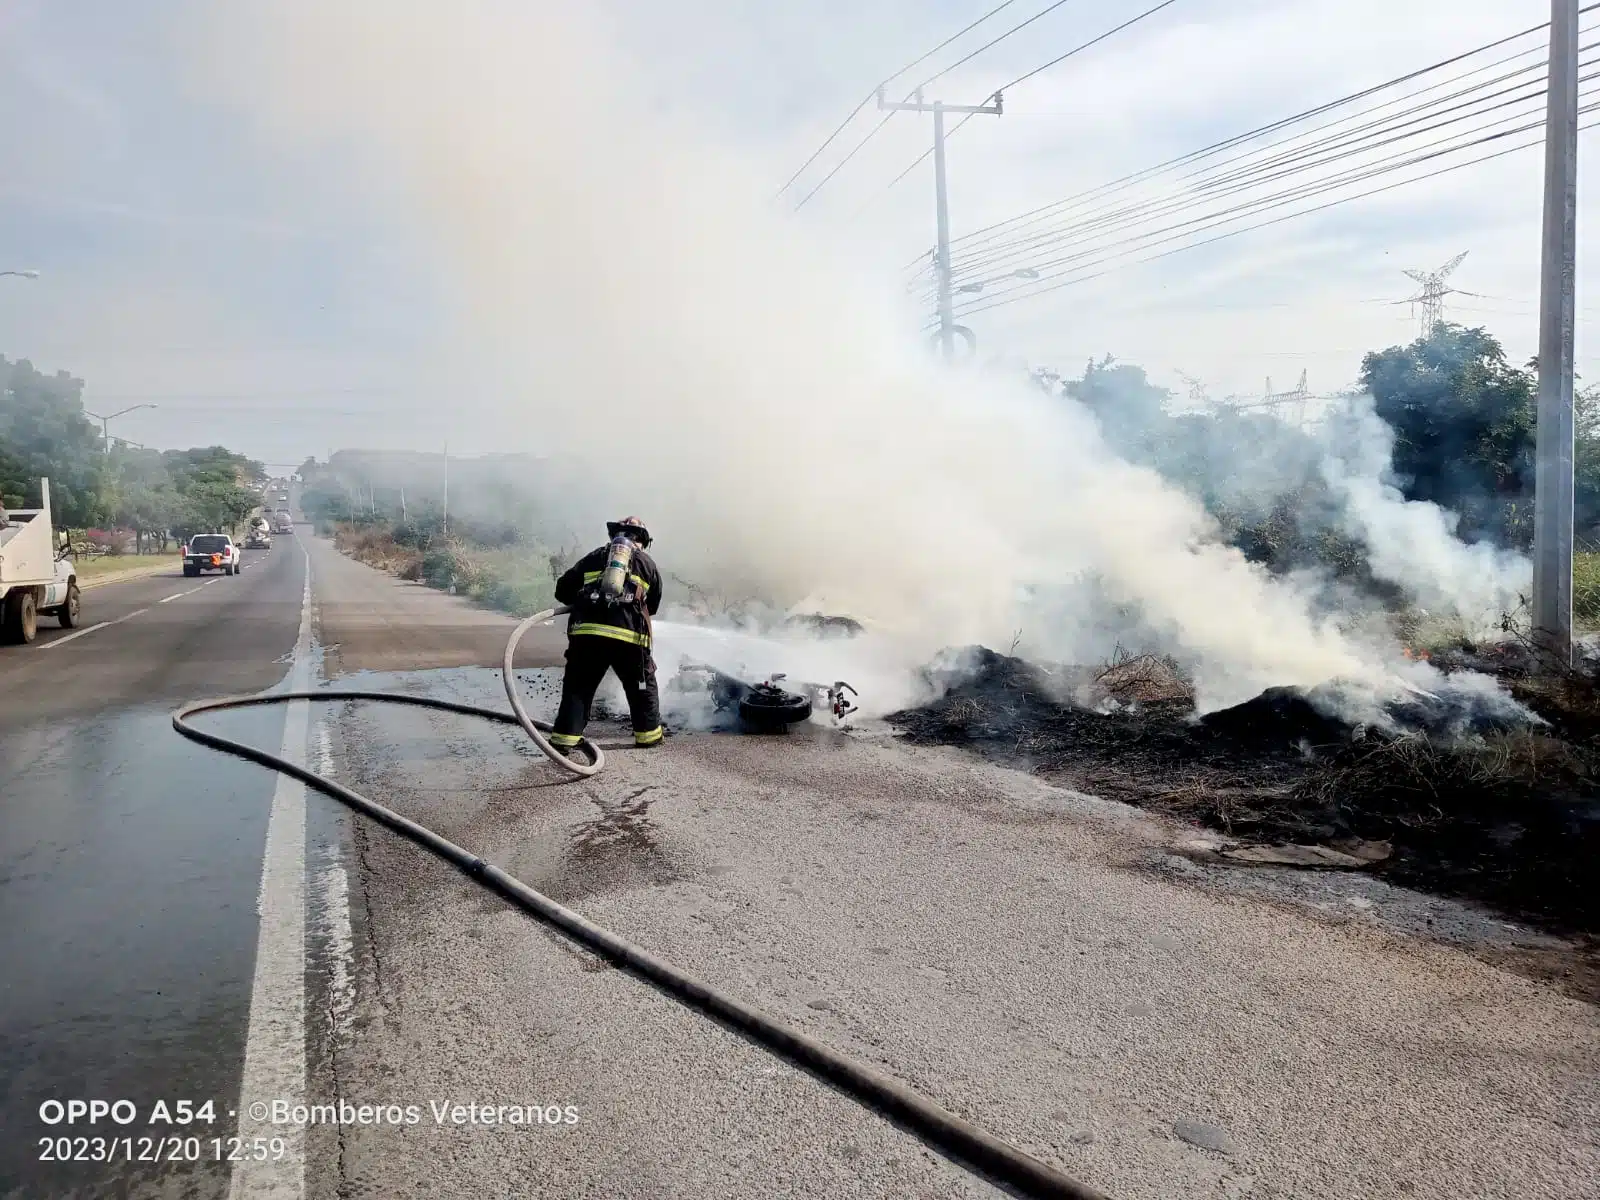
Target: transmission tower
{"points": [[1289, 406], [1433, 292]]}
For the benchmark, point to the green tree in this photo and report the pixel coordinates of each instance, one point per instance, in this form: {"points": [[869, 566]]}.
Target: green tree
{"points": [[45, 434], [1463, 420], [1131, 410]]}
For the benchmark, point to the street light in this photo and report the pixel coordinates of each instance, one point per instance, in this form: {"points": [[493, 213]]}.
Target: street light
{"points": [[105, 422], [25, 274]]}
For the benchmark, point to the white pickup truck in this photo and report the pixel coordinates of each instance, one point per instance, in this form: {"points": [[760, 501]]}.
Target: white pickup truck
{"points": [[36, 577]]}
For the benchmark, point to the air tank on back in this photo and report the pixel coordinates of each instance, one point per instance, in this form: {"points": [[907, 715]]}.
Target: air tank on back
{"points": [[619, 558]]}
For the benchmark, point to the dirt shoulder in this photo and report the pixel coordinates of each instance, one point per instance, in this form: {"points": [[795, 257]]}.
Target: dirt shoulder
{"points": [[1512, 820], [373, 621]]}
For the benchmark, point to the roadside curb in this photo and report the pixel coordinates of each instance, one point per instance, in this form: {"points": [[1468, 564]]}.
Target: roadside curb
{"points": [[88, 585]]}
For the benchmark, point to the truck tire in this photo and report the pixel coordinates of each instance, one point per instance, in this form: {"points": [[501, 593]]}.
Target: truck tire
{"points": [[191, 572], [21, 617], [67, 614]]}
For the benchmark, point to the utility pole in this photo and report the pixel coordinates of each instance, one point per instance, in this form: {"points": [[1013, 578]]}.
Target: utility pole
{"points": [[947, 320], [446, 520], [1553, 485]]}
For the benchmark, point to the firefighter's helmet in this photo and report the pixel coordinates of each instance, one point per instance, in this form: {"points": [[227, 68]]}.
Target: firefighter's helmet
{"points": [[632, 526]]}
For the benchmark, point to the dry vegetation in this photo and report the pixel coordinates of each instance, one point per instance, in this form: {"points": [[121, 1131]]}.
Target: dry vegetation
{"points": [[517, 580], [1507, 815]]}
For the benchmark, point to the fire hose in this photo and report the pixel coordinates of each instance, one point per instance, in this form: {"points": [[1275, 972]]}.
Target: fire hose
{"points": [[964, 1143]]}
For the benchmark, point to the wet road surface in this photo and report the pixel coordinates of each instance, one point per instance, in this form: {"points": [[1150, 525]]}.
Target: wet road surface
{"points": [[129, 865]]}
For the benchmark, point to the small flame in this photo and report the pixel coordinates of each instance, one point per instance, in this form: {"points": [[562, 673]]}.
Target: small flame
{"points": [[1415, 655]]}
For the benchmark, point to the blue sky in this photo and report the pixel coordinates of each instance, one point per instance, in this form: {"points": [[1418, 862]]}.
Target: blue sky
{"points": [[266, 303]]}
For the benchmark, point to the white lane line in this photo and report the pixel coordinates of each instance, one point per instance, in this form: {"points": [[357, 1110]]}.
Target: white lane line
{"points": [[62, 641], [175, 595], [275, 1046], [334, 888]]}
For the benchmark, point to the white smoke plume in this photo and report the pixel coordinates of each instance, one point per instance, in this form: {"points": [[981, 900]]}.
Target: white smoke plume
{"points": [[1413, 543], [631, 298]]}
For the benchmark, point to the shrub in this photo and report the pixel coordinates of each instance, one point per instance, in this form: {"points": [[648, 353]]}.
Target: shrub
{"points": [[109, 541], [1586, 586], [514, 582], [448, 564]]}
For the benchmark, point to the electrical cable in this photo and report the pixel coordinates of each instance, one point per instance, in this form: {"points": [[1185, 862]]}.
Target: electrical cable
{"points": [[1277, 220], [1214, 189], [878, 128], [924, 156], [867, 99], [969, 1146], [1236, 139], [989, 45], [1095, 41], [1212, 220], [1300, 156]]}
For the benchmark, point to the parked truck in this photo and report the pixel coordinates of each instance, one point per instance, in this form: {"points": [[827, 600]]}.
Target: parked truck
{"points": [[38, 576]]}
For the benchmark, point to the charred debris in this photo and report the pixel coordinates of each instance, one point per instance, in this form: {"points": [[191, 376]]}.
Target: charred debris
{"points": [[1441, 797]]}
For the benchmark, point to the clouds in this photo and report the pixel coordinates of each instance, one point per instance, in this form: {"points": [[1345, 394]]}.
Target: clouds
{"points": [[156, 215], [1189, 76]]}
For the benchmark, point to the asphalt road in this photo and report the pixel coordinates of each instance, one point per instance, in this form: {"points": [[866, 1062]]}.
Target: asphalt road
{"points": [[129, 865], [1034, 960], [1037, 961]]}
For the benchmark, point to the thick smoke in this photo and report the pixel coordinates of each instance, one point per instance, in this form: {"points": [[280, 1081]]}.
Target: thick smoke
{"points": [[1322, 497], [1413, 543], [632, 300]]}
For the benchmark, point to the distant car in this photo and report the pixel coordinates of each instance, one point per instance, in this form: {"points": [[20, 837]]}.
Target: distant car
{"points": [[212, 552]]}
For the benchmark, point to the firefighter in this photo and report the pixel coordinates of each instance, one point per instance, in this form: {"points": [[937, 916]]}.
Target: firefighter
{"points": [[613, 592]]}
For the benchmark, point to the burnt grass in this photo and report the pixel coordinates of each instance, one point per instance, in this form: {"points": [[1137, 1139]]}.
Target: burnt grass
{"points": [[1510, 818]]}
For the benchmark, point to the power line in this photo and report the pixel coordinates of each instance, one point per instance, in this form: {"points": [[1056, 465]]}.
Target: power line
{"points": [[1253, 208], [1241, 181], [999, 302], [1265, 204], [878, 128], [1237, 139], [1149, 12], [1317, 187], [991, 44], [867, 99], [923, 157], [840, 165], [987, 248]]}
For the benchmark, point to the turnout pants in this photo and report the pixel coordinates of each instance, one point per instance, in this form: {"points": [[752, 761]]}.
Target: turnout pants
{"points": [[588, 659]]}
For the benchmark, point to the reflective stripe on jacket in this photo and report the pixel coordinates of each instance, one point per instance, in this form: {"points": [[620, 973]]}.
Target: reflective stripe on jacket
{"points": [[622, 622]]}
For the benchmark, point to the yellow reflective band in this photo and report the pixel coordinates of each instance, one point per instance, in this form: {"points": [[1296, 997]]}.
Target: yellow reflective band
{"points": [[649, 739], [565, 739], [610, 631], [639, 583], [591, 576]]}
